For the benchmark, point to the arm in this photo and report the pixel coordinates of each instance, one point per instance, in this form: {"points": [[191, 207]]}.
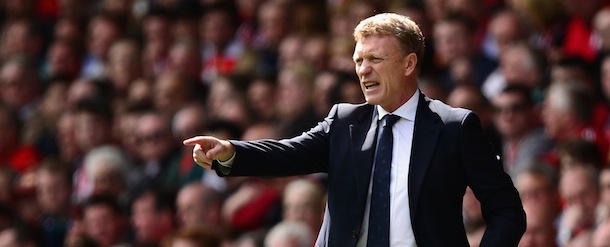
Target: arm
{"points": [[307, 153], [500, 202]]}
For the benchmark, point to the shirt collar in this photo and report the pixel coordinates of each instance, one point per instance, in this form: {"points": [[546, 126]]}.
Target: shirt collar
{"points": [[406, 110]]}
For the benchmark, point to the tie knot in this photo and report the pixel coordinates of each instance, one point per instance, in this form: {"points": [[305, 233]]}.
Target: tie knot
{"points": [[390, 120]]}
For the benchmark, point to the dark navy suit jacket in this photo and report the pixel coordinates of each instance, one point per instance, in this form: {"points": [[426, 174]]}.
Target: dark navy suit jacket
{"points": [[449, 152]]}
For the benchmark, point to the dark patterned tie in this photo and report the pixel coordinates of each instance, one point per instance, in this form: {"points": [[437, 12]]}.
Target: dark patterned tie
{"points": [[379, 217]]}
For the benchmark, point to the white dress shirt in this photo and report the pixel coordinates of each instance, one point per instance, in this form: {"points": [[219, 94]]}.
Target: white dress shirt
{"points": [[401, 231]]}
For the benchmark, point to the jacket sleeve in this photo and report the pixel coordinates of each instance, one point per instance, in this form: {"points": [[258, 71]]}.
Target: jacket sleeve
{"points": [[500, 202], [304, 154]]}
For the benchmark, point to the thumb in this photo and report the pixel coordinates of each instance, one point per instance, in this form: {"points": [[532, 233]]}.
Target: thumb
{"points": [[221, 151]]}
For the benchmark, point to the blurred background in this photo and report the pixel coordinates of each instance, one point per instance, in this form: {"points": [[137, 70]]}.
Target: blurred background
{"points": [[96, 97]]}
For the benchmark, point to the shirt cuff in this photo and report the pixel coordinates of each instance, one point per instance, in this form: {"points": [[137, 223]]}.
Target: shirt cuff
{"points": [[225, 166]]}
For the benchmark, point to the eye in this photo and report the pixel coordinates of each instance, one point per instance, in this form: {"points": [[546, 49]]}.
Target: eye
{"points": [[358, 61], [376, 60]]}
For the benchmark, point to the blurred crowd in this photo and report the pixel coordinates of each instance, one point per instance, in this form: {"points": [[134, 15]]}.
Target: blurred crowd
{"points": [[97, 95]]}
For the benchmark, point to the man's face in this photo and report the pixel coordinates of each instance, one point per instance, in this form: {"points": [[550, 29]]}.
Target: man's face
{"points": [[101, 224], [555, 119], [535, 189], [540, 230], [16, 89], [301, 206], [511, 114], [144, 218], [451, 41], [190, 209], [382, 69], [53, 192], [578, 191]]}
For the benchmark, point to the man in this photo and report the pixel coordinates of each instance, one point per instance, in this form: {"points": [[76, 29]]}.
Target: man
{"points": [[103, 221], [439, 151], [303, 201], [515, 118], [53, 190], [567, 113], [541, 231], [198, 205], [152, 216], [578, 187]]}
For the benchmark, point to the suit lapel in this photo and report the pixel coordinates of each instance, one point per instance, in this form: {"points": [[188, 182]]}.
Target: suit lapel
{"points": [[425, 135], [363, 138]]}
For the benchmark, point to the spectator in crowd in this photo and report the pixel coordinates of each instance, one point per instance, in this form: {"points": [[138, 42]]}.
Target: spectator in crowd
{"points": [[156, 29], [158, 156], [171, 92], [541, 229], [54, 195], [152, 217], [538, 184], [106, 170], [184, 59], [458, 57], [93, 121], [520, 63], [68, 149], [104, 221], [62, 60], [21, 36], [579, 190], [198, 205], [21, 87], [123, 66], [289, 234], [567, 113], [260, 96], [514, 117], [505, 27], [295, 113], [274, 25], [303, 201], [220, 50], [41, 130], [102, 32]]}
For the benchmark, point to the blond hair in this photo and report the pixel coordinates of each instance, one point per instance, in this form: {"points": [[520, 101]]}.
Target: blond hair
{"points": [[406, 31]]}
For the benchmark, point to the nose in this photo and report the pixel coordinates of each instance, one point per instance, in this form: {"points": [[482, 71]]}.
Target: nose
{"points": [[363, 69]]}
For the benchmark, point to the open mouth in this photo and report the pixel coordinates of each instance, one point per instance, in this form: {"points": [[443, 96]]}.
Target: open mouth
{"points": [[369, 85]]}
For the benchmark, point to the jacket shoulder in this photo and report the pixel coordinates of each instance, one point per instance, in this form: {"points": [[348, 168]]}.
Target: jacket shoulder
{"points": [[345, 110], [446, 112]]}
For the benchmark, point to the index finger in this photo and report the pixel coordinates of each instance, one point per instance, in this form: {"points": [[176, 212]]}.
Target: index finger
{"points": [[196, 140]]}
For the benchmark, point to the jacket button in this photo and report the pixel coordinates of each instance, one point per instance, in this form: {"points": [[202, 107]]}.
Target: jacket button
{"points": [[354, 234]]}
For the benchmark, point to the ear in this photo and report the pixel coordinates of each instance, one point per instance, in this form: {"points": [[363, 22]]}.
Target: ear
{"points": [[410, 64]]}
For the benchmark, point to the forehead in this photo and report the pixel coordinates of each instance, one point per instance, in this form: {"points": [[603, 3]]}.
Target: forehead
{"points": [[376, 44]]}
